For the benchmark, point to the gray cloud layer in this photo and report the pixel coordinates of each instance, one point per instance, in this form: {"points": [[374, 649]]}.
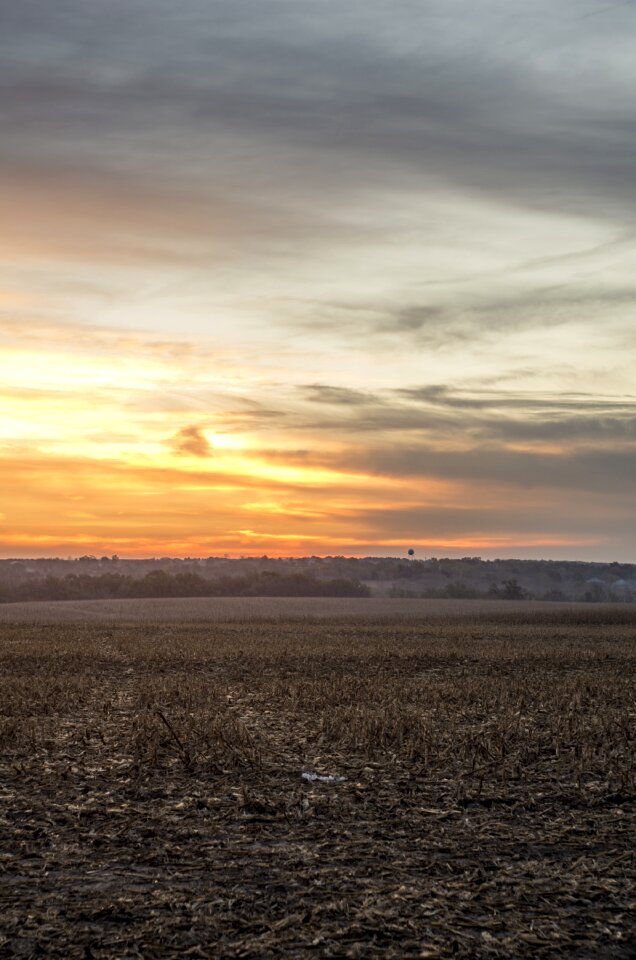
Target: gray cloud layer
{"points": [[268, 121], [532, 104], [491, 416]]}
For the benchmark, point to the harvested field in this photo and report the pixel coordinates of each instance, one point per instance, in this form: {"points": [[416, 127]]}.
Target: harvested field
{"points": [[153, 803], [225, 609]]}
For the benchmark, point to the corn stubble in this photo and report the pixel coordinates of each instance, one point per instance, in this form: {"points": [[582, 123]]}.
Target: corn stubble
{"points": [[153, 805]]}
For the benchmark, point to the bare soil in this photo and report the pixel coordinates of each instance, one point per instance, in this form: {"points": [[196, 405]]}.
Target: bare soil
{"points": [[152, 802]]}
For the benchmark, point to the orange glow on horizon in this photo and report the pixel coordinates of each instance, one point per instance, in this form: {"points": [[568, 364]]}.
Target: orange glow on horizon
{"points": [[169, 455], [240, 314]]}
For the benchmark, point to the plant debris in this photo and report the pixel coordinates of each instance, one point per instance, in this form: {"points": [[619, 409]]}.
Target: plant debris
{"points": [[322, 778], [151, 804]]}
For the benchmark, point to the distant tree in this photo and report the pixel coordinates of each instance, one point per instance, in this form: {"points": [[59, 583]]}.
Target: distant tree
{"points": [[512, 590], [157, 583], [595, 593], [459, 590]]}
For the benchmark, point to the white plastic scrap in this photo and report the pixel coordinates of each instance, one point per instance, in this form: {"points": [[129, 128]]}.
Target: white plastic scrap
{"points": [[332, 778]]}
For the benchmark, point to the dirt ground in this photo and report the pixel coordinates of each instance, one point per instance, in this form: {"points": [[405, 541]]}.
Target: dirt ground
{"points": [[480, 800]]}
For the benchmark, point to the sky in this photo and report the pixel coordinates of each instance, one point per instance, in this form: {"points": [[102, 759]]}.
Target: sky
{"points": [[297, 277]]}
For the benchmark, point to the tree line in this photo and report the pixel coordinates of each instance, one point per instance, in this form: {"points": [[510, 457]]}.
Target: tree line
{"points": [[160, 583]]}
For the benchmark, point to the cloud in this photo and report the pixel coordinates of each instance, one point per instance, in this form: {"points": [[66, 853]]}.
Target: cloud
{"points": [[191, 441], [503, 104], [479, 317], [284, 138], [336, 396], [442, 412], [608, 472], [368, 237], [486, 520]]}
